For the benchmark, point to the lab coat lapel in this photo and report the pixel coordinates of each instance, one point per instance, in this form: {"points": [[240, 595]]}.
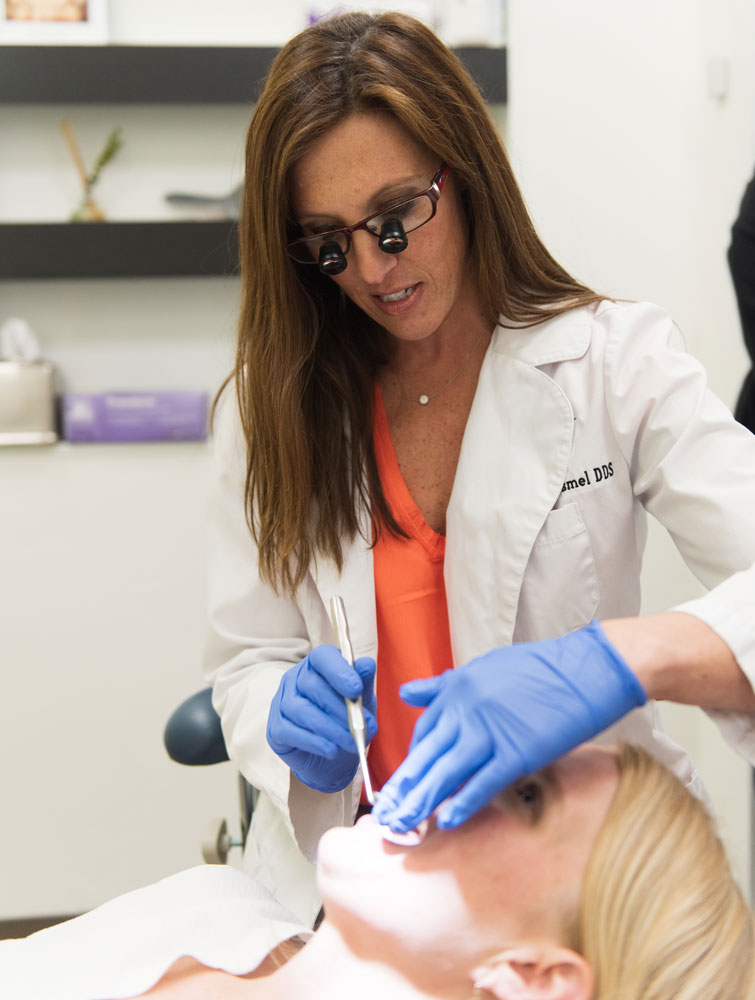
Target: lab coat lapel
{"points": [[511, 469]]}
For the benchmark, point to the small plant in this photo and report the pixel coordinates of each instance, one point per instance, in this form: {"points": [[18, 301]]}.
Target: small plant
{"points": [[88, 209]]}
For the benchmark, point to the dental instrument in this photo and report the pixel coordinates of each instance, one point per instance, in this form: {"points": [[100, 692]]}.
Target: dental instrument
{"points": [[353, 706]]}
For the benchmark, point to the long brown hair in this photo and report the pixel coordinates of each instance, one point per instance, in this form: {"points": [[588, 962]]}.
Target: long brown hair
{"points": [[307, 357]]}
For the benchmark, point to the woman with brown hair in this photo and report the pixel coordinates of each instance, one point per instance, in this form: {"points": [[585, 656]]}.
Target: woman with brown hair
{"points": [[431, 418]]}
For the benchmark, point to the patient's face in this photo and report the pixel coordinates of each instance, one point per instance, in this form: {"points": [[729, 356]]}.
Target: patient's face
{"points": [[510, 874]]}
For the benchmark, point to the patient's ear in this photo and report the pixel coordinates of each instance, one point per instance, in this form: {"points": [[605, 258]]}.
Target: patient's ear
{"points": [[537, 973]]}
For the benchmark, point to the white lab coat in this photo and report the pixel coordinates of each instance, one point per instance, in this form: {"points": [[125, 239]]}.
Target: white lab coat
{"points": [[578, 427]]}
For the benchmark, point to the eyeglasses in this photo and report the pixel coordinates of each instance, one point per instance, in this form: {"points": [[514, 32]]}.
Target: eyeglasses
{"points": [[410, 214]]}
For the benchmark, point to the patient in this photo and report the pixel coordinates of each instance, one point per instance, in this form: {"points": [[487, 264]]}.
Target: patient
{"points": [[600, 877]]}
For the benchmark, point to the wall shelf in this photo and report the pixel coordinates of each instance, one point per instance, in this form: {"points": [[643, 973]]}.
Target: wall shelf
{"points": [[143, 74], [118, 249]]}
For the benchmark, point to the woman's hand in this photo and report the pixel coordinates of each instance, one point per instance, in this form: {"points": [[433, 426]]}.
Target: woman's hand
{"points": [[503, 715], [308, 726]]}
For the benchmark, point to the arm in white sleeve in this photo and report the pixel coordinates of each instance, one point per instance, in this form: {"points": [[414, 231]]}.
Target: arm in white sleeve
{"points": [[692, 467], [254, 633]]}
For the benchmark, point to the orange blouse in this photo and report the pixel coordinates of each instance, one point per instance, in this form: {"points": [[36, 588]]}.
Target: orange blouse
{"points": [[412, 616]]}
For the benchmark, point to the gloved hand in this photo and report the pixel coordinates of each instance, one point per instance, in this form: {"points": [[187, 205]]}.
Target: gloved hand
{"points": [[307, 725], [501, 716]]}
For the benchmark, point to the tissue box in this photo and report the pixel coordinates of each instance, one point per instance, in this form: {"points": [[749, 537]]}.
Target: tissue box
{"points": [[27, 403], [134, 416]]}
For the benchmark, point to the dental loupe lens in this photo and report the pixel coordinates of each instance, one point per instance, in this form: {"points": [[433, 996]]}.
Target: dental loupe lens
{"points": [[331, 259], [392, 237]]}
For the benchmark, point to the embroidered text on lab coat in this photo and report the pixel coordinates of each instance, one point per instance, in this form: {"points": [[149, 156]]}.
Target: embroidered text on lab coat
{"points": [[599, 473]]}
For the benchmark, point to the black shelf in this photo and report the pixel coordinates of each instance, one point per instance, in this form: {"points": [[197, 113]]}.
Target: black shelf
{"points": [[139, 74], [131, 74], [488, 69], [118, 250]]}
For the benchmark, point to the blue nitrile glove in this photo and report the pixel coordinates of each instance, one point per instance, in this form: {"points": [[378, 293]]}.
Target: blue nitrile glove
{"points": [[307, 725], [501, 716]]}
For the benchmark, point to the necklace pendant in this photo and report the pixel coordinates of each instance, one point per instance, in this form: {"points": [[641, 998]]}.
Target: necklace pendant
{"points": [[423, 399]]}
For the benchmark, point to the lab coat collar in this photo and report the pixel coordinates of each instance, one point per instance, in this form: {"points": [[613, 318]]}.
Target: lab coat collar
{"points": [[561, 338]]}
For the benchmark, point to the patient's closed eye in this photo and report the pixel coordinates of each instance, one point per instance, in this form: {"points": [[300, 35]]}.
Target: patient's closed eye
{"points": [[529, 793]]}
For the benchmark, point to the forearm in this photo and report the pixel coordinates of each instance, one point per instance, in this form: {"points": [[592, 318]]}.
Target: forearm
{"points": [[678, 657]]}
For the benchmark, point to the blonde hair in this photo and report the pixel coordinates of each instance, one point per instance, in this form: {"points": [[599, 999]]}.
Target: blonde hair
{"points": [[661, 917], [306, 356]]}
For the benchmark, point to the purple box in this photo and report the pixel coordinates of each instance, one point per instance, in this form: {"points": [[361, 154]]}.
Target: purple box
{"points": [[135, 416]]}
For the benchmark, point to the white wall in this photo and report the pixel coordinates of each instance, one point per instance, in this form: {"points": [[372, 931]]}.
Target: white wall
{"points": [[247, 22], [633, 173], [102, 605], [101, 630], [165, 149]]}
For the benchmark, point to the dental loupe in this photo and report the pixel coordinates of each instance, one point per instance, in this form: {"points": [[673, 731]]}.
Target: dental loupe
{"points": [[392, 239], [331, 259]]}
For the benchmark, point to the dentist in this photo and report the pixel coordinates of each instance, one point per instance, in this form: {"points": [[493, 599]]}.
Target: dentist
{"points": [[430, 417]]}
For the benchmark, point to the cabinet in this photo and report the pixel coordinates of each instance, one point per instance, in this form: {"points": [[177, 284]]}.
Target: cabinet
{"points": [[125, 74]]}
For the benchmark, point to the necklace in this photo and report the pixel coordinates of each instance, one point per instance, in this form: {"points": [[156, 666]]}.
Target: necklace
{"points": [[424, 398]]}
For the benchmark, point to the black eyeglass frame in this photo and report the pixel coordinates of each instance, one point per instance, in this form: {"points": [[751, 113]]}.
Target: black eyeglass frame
{"points": [[433, 193]]}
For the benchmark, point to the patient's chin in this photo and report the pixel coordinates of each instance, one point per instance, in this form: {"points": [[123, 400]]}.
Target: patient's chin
{"points": [[352, 849], [337, 861], [360, 876], [333, 845]]}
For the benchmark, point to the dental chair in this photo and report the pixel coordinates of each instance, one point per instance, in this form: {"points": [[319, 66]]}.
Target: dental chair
{"points": [[193, 736]]}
